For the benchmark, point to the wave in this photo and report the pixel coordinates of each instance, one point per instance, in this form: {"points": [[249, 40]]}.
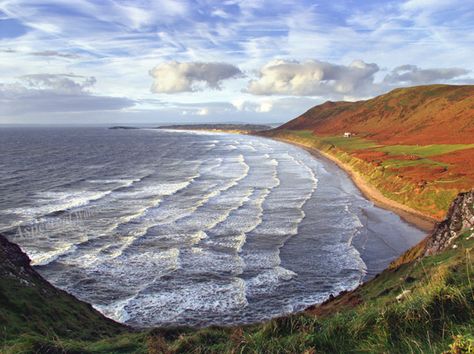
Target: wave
{"points": [[174, 216], [268, 281], [41, 258], [53, 202], [186, 305]]}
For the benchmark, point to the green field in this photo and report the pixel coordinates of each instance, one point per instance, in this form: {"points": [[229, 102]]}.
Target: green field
{"points": [[423, 150], [349, 144], [420, 153], [395, 164], [358, 143]]}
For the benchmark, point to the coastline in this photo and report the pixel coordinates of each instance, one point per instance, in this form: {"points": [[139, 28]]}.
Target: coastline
{"points": [[411, 216]]}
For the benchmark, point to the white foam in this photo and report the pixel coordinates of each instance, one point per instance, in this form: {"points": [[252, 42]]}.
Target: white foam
{"points": [[182, 302], [122, 182], [268, 280], [45, 257], [50, 202]]}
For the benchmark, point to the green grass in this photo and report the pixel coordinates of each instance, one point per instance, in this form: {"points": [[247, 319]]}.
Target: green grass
{"points": [[354, 143], [350, 144], [358, 143], [396, 164], [423, 150]]}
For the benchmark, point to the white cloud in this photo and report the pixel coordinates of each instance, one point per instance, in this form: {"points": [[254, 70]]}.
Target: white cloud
{"points": [[173, 76], [59, 83], [220, 13], [239, 103], [203, 112], [265, 106], [427, 5], [413, 75], [313, 78], [259, 106]]}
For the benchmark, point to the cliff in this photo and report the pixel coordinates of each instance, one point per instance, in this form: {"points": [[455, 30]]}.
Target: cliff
{"points": [[460, 219]]}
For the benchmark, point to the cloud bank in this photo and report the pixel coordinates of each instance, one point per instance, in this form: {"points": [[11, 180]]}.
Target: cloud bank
{"points": [[174, 77], [55, 93]]}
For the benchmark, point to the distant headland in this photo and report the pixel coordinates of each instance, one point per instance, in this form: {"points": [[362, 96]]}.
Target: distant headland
{"points": [[226, 127]]}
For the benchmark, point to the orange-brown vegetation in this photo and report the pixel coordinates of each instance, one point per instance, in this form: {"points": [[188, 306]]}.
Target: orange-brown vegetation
{"points": [[441, 114]]}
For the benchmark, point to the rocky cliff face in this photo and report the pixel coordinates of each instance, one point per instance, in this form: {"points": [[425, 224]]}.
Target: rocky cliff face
{"points": [[460, 219]]}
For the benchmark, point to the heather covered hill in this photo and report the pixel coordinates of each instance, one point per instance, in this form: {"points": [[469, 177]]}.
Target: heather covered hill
{"points": [[413, 145], [434, 114]]}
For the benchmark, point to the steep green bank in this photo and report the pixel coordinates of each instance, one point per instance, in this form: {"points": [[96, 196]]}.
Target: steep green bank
{"points": [[423, 304]]}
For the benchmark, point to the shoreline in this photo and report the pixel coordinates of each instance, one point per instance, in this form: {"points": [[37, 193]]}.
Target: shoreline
{"points": [[409, 215]]}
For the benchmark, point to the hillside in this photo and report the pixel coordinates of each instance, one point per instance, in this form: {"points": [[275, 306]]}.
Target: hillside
{"points": [[435, 114], [414, 145]]}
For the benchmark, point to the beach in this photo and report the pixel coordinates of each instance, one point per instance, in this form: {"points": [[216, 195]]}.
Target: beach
{"points": [[414, 217]]}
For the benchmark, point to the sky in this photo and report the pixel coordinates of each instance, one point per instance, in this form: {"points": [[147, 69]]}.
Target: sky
{"points": [[200, 61]]}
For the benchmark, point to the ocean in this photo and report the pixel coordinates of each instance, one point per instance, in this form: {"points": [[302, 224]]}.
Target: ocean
{"points": [[166, 228]]}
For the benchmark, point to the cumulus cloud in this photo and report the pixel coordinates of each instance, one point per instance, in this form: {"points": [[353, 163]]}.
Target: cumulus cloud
{"points": [[313, 78], [42, 93], [173, 76], [412, 74]]}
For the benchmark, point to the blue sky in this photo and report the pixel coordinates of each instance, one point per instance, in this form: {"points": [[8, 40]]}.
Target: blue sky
{"points": [[123, 61]]}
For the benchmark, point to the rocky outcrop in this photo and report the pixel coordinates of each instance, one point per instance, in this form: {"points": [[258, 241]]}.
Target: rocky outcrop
{"points": [[11, 254], [460, 218], [15, 264]]}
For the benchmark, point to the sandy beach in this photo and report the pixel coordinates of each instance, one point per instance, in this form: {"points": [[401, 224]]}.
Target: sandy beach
{"points": [[408, 214]]}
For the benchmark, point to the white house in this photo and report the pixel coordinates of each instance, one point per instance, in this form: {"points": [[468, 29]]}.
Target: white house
{"points": [[347, 135]]}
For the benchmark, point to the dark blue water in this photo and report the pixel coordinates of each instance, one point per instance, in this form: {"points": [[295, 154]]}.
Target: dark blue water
{"points": [[164, 227]]}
